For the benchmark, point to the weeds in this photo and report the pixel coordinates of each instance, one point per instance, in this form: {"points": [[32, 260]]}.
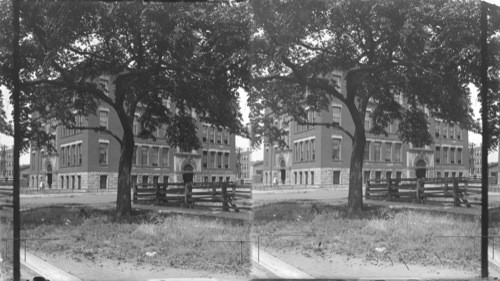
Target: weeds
{"points": [[412, 235], [173, 241]]}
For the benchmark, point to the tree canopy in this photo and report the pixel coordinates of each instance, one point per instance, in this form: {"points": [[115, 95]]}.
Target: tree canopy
{"points": [[193, 55], [425, 51]]}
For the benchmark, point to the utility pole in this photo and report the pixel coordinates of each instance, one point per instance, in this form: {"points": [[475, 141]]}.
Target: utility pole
{"points": [[17, 141], [486, 135]]}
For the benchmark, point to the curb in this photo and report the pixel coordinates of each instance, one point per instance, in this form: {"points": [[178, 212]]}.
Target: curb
{"points": [[45, 269], [277, 266]]}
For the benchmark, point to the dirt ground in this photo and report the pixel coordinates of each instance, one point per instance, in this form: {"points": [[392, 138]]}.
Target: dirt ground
{"points": [[336, 266], [109, 270]]}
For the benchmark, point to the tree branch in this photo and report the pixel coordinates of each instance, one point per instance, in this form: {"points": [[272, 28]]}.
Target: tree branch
{"points": [[329, 125], [96, 129]]}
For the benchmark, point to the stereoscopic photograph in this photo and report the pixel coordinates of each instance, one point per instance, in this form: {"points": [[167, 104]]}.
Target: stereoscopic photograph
{"points": [[249, 140]]}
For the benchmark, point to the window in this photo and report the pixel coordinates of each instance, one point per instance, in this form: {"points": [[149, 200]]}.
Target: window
{"points": [[452, 131], [336, 177], [80, 159], [445, 154], [306, 177], [377, 151], [446, 174], [301, 152], [397, 152], [307, 147], [219, 135], [459, 133], [336, 149], [226, 137], [388, 174], [367, 122], [438, 154], [144, 155], [313, 150], [145, 179], [62, 181], [205, 159], [134, 156], [205, 133], [300, 177], [444, 127], [214, 159], [366, 176], [438, 174], [459, 155], [75, 155], [155, 156], [398, 175], [378, 175], [367, 151], [67, 182], [221, 179], [388, 152], [212, 137], [452, 155], [296, 152], [72, 182], [295, 177], [165, 179], [219, 160], [103, 119], [336, 112], [312, 177], [437, 130], [226, 160], [79, 182], [164, 156], [103, 153], [68, 156], [135, 127]]}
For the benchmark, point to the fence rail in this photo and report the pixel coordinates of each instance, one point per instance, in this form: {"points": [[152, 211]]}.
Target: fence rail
{"points": [[442, 190], [188, 195]]}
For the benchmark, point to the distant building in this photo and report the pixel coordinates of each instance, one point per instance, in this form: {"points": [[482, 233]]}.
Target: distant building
{"points": [[317, 155], [86, 159], [256, 171], [246, 160], [475, 160], [6, 162]]}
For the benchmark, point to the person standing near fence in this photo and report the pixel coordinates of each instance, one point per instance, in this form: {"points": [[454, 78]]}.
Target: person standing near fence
{"points": [[42, 185]]}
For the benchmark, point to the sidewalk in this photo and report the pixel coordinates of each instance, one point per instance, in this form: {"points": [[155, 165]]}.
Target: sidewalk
{"points": [[45, 269]]}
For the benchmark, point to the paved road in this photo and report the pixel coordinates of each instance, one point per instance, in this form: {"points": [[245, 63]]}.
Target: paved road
{"points": [[259, 197], [27, 201], [262, 197]]}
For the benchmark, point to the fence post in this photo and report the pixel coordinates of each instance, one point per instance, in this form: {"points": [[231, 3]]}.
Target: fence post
{"points": [[390, 192], [367, 189], [135, 193], [187, 194], [456, 200], [165, 186], [214, 190], [158, 194], [445, 187], [466, 186], [420, 189], [225, 205]]}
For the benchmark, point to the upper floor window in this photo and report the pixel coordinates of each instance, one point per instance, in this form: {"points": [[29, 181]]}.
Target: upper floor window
{"points": [[336, 149], [103, 153], [103, 119], [155, 156], [336, 112]]}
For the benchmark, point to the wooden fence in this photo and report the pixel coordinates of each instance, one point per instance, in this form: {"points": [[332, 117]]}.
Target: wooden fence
{"points": [[6, 197], [442, 190], [224, 193]]}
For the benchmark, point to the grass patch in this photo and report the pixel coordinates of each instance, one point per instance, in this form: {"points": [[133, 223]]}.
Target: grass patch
{"points": [[146, 237], [412, 235]]}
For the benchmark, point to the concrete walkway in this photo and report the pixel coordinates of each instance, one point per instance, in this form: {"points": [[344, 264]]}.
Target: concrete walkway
{"points": [[277, 266], [45, 269]]}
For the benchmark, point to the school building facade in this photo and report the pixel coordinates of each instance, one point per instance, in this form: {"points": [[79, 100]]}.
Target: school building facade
{"points": [[317, 155], [86, 159]]}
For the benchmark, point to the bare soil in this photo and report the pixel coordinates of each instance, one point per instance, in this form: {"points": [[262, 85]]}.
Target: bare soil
{"points": [[109, 270], [337, 266]]}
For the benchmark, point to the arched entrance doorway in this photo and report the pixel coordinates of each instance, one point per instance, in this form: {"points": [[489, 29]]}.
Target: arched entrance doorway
{"points": [[421, 170], [187, 173], [283, 171], [49, 175]]}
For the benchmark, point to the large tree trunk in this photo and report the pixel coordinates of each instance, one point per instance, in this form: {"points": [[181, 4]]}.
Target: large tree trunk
{"points": [[355, 197], [123, 197]]}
